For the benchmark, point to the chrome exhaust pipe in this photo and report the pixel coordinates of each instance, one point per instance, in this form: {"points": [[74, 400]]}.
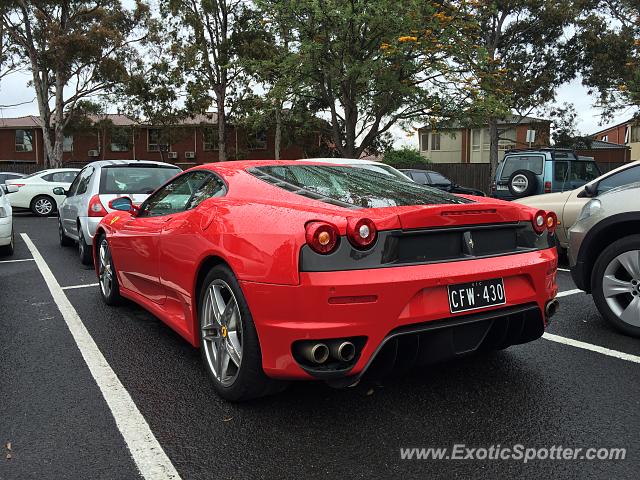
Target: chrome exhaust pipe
{"points": [[343, 351], [551, 308], [317, 353]]}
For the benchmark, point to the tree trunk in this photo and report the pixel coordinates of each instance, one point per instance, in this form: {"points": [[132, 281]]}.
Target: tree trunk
{"points": [[493, 148], [222, 128], [278, 135]]}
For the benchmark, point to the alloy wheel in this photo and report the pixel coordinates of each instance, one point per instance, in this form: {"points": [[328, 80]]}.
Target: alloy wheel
{"points": [[222, 332], [106, 269], [43, 206], [621, 287]]}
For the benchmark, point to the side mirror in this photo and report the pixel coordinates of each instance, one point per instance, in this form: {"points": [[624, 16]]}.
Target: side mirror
{"points": [[60, 191], [590, 190], [124, 204]]}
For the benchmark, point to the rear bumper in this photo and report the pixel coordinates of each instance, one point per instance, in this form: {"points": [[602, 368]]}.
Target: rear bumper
{"points": [[379, 303]]}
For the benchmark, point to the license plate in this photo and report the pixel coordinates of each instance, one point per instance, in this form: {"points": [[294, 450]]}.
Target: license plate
{"points": [[502, 187], [474, 295]]}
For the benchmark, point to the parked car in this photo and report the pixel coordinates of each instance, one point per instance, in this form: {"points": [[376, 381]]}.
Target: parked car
{"points": [[523, 173], [86, 200], [365, 164], [280, 270], [35, 191], [567, 205], [439, 181], [6, 224], [604, 255], [4, 176]]}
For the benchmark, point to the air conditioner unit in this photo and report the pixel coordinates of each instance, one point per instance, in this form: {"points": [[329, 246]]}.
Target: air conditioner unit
{"points": [[94, 153], [172, 155], [190, 155]]}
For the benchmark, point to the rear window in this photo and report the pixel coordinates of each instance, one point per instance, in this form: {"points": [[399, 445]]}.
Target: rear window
{"points": [[352, 187], [134, 179], [534, 163]]}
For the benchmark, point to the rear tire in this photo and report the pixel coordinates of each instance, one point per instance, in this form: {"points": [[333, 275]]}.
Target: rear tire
{"points": [[43, 206], [522, 183], [64, 240], [107, 275], [616, 289], [221, 335], [84, 250]]}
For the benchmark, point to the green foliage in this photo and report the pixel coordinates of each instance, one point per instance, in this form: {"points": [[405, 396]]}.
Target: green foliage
{"points": [[405, 158], [565, 133]]}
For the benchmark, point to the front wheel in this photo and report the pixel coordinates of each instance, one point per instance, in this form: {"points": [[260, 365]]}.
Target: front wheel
{"points": [[84, 249], [616, 284], [109, 287], [229, 343], [64, 240]]}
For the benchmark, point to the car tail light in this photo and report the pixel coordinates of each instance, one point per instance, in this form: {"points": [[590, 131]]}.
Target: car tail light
{"points": [[547, 187], [96, 209], [552, 222], [361, 233], [322, 237], [539, 221], [17, 184], [493, 187]]}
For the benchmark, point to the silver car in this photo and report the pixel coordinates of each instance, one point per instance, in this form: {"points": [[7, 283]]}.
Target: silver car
{"points": [[604, 254], [87, 199]]}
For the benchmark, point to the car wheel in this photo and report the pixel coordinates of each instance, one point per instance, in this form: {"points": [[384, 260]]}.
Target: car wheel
{"points": [[64, 240], [8, 250], [229, 343], [43, 206], [522, 183], [616, 284], [109, 287], [84, 250]]}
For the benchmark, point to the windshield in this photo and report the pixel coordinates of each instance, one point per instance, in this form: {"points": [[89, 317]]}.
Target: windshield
{"points": [[133, 179], [533, 163], [352, 187]]}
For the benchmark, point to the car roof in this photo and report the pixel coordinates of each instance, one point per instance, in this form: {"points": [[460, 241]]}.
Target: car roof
{"points": [[105, 163]]}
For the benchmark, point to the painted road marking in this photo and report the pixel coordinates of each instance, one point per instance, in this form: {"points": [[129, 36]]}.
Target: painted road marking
{"points": [[72, 287], [569, 292], [16, 261], [147, 453], [593, 348]]}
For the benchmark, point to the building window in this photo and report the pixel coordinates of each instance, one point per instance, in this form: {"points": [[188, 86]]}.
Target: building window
{"points": [[605, 138], [153, 142], [120, 140], [257, 141], [627, 133], [507, 140], [435, 141], [210, 138], [67, 143], [24, 140], [635, 134], [475, 139], [424, 142]]}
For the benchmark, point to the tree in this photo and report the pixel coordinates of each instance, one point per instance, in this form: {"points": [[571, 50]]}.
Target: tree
{"points": [[565, 131], [405, 158], [357, 64], [75, 50], [516, 56], [207, 35], [609, 36]]}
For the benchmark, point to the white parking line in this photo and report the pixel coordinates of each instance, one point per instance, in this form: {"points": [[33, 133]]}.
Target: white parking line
{"points": [[16, 261], [569, 292], [594, 348], [147, 453], [72, 287]]}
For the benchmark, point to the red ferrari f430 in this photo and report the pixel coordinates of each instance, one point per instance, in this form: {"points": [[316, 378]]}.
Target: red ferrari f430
{"points": [[282, 270]]}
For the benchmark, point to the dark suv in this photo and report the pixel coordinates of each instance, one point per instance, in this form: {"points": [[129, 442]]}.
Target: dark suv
{"points": [[523, 173]]}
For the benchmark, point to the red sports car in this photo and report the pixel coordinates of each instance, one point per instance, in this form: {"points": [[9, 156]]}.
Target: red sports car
{"points": [[285, 270]]}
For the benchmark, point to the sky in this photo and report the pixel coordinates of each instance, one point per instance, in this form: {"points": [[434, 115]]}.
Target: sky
{"points": [[14, 90]]}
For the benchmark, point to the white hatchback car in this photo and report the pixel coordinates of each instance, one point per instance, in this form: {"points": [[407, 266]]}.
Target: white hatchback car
{"points": [[6, 224], [35, 191]]}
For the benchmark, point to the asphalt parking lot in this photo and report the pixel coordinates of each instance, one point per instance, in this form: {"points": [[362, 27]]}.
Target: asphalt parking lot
{"points": [[55, 421]]}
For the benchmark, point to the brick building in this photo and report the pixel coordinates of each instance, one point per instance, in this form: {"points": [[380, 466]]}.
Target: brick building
{"points": [[458, 144], [625, 133], [193, 141]]}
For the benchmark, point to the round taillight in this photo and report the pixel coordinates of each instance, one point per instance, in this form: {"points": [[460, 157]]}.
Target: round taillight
{"points": [[322, 237], [552, 222], [539, 221], [361, 233]]}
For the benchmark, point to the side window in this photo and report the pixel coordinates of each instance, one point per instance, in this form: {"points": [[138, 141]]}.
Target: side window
{"points": [[560, 171], [175, 196], [83, 180], [61, 177], [420, 177], [48, 177], [630, 175], [74, 185], [212, 188]]}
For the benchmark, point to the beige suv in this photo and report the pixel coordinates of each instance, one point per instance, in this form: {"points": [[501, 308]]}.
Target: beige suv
{"points": [[567, 205]]}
